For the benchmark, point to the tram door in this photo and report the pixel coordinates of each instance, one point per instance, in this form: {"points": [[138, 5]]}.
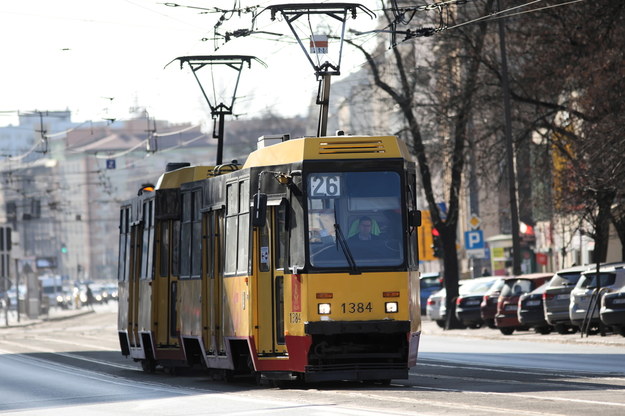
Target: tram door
{"points": [[270, 302], [163, 287], [213, 240]]}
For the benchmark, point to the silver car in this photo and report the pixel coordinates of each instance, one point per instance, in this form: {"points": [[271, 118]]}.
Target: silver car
{"points": [[588, 287], [556, 298], [436, 309]]}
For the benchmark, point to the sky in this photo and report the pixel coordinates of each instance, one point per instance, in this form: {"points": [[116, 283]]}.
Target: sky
{"points": [[103, 58]]}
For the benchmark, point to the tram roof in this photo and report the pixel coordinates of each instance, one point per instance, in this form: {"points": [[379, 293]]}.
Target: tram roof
{"points": [[177, 177], [327, 148]]}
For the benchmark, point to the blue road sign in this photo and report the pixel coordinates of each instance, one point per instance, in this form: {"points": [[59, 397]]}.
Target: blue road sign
{"points": [[110, 163], [473, 240]]}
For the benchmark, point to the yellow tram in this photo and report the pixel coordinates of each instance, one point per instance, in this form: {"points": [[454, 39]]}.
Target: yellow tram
{"points": [[301, 264]]}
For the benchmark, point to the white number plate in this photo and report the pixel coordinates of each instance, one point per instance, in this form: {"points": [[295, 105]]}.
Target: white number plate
{"points": [[328, 185], [533, 303], [511, 307]]}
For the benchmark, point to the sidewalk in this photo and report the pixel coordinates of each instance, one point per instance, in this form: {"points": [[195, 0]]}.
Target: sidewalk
{"points": [[55, 314], [429, 327]]}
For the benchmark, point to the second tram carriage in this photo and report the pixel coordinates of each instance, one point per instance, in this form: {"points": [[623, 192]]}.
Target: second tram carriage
{"points": [[261, 269]]}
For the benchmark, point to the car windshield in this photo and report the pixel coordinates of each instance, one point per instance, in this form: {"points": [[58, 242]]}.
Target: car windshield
{"points": [[355, 219], [590, 280]]}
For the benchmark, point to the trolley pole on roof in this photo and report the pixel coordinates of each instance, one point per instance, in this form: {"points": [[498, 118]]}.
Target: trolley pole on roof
{"points": [[218, 110], [319, 45]]}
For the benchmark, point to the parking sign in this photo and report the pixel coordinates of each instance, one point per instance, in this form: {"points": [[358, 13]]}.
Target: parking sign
{"points": [[473, 240]]}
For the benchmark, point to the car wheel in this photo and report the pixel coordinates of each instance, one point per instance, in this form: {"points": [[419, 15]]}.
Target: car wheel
{"points": [[506, 331], [543, 330], [440, 323], [562, 329], [490, 323]]}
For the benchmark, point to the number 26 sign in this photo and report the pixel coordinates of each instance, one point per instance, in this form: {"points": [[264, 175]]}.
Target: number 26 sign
{"points": [[328, 185]]}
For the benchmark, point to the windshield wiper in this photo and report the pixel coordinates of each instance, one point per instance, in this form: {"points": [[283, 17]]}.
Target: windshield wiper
{"points": [[340, 240]]}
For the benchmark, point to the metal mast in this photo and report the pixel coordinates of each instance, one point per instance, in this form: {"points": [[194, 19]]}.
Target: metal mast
{"points": [[323, 71], [218, 110]]}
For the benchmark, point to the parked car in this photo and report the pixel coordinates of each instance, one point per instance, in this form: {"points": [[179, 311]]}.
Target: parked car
{"points": [[586, 295], [507, 319], [469, 300], [435, 307], [612, 311], [488, 307], [428, 284], [531, 312], [556, 298]]}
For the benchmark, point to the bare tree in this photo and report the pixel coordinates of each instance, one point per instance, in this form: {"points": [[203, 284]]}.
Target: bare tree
{"points": [[458, 77], [569, 79]]}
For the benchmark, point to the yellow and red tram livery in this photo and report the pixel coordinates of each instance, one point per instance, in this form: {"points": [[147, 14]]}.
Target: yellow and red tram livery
{"points": [[300, 265]]}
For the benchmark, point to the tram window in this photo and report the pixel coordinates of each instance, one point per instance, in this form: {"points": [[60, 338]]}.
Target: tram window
{"points": [[237, 228], [164, 250], [150, 267], [281, 236], [210, 235], [244, 199], [232, 219], [196, 253], [413, 249], [338, 201], [185, 235], [263, 255], [148, 239], [175, 242], [124, 245], [244, 240]]}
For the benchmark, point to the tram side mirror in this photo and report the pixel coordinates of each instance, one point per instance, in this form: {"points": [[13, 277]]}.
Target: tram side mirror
{"points": [[259, 213], [414, 218]]}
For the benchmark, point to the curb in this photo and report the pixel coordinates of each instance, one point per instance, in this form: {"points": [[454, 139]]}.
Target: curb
{"points": [[37, 321]]}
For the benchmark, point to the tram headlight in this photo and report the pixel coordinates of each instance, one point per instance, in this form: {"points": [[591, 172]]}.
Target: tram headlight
{"points": [[323, 308], [391, 307]]}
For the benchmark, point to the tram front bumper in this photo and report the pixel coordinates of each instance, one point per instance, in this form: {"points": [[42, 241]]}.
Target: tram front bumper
{"points": [[357, 350]]}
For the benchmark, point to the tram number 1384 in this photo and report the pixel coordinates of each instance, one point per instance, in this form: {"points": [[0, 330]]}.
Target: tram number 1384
{"points": [[359, 307]]}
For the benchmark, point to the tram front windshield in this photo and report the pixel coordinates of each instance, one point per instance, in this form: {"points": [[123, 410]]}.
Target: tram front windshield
{"points": [[355, 219]]}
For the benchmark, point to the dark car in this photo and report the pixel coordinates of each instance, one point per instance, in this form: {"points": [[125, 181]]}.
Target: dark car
{"points": [[613, 310], [531, 312], [557, 296], [428, 284], [488, 307], [507, 319], [468, 302]]}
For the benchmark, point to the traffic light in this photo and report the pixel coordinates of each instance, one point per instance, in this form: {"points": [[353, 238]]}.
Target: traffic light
{"points": [[63, 248], [436, 243]]}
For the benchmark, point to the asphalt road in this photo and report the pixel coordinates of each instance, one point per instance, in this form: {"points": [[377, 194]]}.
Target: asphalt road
{"points": [[73, 366]]}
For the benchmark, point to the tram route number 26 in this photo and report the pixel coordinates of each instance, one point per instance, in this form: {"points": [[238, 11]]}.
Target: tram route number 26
{"points": [[359, 307], [325, 185]]}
